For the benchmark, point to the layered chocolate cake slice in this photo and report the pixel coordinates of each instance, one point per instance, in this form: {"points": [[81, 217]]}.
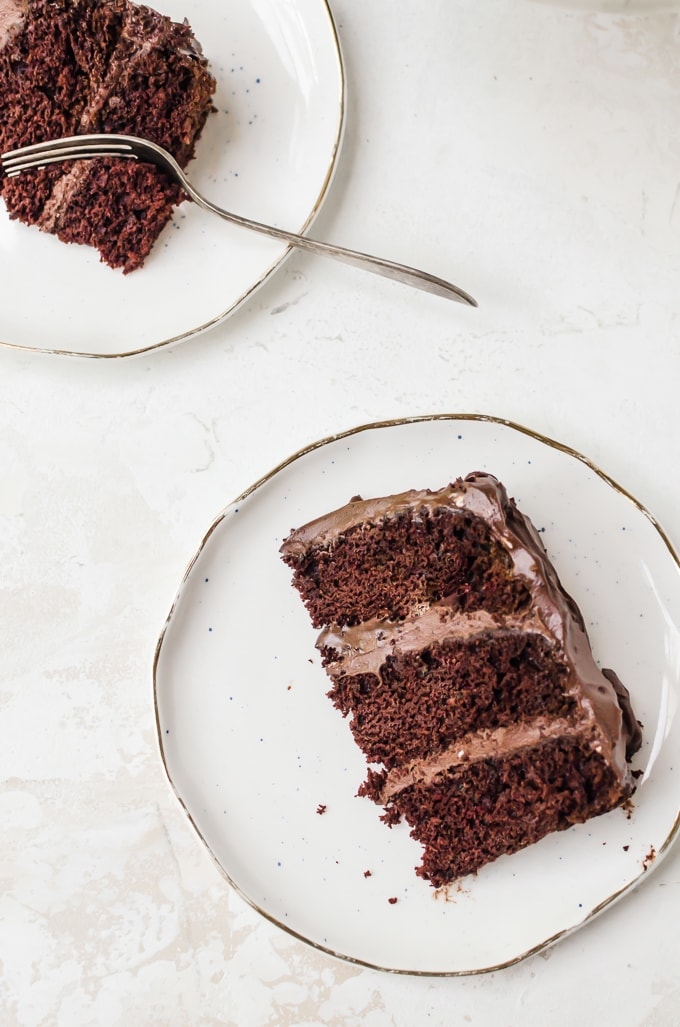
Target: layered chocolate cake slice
{"points": [[69, 67], [465, 671]]}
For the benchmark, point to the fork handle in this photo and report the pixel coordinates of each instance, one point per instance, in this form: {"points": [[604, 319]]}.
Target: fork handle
{"points": [[386, 268]]}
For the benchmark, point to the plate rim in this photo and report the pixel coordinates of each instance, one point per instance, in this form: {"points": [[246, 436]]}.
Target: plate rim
{"points": [[551, 443], [286, 251]]}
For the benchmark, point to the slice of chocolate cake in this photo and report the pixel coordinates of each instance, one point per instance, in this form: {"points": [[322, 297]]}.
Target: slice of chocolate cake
{"points": [[69, 67], [465, 671]]}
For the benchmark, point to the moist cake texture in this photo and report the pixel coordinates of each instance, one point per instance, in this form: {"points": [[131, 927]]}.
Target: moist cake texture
{"points": [[70, 67], [464, 670]]}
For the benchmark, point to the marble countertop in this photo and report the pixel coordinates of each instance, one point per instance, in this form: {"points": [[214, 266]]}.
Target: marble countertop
{"points": [[530, 152]]}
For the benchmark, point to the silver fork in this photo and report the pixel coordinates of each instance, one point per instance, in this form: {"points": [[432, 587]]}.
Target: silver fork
{"points": [[14, 162]]}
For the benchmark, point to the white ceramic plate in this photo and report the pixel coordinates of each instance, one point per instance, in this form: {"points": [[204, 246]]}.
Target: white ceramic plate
{"points": [[253, 747], [267, 153]]}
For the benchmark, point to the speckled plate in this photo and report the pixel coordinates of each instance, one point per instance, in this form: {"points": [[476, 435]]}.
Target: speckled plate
{"points": [[268, 153], [253, 748]]}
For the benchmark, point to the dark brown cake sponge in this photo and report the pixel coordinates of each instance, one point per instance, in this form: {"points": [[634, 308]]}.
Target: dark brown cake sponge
{"points": [[69, 67], [464, 670]]}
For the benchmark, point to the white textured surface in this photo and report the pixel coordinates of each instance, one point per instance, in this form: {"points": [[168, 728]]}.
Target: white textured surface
{"points": [[527, 151]]}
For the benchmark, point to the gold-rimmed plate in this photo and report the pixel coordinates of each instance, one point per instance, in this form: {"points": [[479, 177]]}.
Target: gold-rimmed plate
{"points": [[254, 750], [268, 152]]}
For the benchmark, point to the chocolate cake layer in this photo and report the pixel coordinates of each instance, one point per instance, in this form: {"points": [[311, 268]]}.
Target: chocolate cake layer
{"points": [[419, 549], [448, 690], [473, 813], [69, 67], [472, 690]]}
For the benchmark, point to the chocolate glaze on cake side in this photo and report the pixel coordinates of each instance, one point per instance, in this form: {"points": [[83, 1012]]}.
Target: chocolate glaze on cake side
{"points": [[465, 670], [69, 67]]}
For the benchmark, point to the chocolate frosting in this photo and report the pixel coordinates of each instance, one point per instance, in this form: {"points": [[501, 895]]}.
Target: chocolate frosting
{"points": [[476, 746], [605, 720]]}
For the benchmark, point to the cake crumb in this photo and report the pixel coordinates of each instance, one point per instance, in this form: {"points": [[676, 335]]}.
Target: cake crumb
{"points": [[649, 858], [321, 808], [626, 848], [392, 900], [367, 873]]}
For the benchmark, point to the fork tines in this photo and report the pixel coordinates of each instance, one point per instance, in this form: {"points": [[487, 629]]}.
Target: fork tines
{"points": [[38, 155]]}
